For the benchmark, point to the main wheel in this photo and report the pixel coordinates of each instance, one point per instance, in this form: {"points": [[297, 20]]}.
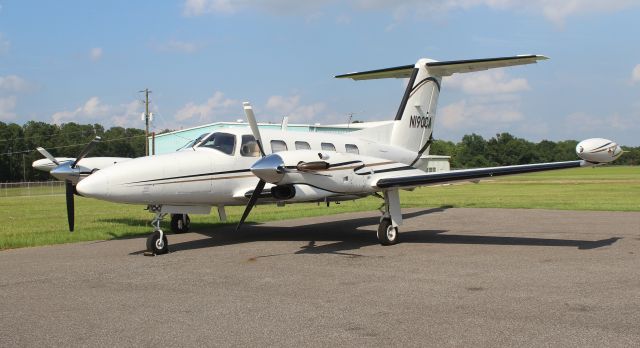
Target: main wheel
{"points": [[387, 234], [156, 245], [180, 225]]}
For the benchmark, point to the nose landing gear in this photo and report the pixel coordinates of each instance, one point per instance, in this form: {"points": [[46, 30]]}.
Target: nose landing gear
{"points": [[157, 243]]}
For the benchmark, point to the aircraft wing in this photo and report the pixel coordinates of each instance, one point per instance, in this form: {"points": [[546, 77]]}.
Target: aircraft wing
{"points": [[392, 180]]}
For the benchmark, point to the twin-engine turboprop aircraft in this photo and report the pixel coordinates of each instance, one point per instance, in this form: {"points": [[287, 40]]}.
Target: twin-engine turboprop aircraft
{"points": [[244, 166]]}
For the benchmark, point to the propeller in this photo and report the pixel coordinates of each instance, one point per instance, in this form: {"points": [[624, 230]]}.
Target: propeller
{"points": [[252, 201], [253, 124], [85, 151], [46, 154], [251, 118], [70, 188]]}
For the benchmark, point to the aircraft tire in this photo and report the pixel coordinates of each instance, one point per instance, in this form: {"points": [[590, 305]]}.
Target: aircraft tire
{"points": [[155, 246], [387, 234], [177, 225]]}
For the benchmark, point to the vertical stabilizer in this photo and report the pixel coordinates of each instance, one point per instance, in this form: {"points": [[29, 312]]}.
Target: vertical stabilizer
{"points": [[413, 125]]}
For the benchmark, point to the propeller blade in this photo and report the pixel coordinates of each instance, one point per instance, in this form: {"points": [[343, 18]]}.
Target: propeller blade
{"points": [[70, 204], [251, 118], [252, 201], [86, 151], [46, 154]]}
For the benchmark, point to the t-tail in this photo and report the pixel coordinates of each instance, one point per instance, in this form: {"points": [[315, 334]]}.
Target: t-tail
{"points": [[413, 125]]}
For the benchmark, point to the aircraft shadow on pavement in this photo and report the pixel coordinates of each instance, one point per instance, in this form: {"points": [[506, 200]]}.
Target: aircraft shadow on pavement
{"points": [[354, 234]]}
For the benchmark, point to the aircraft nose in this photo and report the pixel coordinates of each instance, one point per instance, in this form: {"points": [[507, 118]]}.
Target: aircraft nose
{"points": [[95, 185]]}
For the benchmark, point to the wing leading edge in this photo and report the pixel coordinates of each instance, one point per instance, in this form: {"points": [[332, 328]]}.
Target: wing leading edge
{"points": [[472, 174]]}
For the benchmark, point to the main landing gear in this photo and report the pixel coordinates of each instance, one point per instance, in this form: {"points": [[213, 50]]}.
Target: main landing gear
{"points": [[391, 218], [180, 223]]}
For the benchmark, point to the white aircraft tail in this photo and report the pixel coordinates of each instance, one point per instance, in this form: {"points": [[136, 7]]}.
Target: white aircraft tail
{"points": [[413, 125]]}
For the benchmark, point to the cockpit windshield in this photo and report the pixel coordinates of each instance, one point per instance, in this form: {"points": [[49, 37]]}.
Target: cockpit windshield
{"points": [[193, 142], [223, 142]]}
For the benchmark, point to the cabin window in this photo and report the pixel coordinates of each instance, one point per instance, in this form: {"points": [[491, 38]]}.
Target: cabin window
{"points": [[302, 145], [249, 147], [351, 148], [278, 145], [327, 147], [223, 142]]}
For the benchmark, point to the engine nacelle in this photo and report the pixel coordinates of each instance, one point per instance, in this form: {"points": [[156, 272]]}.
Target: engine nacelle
{"points": [[598, 150], [283, 192]]}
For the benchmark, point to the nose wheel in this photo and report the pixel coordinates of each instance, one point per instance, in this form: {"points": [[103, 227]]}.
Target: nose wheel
{"points": [[157, 243]]}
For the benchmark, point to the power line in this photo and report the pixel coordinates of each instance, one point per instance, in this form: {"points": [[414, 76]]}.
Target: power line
{"points": [[73, 145], [45, 135]]}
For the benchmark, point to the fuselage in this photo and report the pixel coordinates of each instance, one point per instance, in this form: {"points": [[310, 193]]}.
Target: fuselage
{"points": [[217, 170]]}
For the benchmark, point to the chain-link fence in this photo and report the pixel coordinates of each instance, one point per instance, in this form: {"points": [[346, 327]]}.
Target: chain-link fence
{"points": [[37, 188]]}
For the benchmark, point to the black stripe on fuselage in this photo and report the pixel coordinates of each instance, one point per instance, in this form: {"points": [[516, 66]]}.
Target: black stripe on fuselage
{"points": [[190, 176]]}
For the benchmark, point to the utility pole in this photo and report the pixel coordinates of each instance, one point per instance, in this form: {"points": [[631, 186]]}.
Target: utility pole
{"points": [[24, 169], [146, 121]]}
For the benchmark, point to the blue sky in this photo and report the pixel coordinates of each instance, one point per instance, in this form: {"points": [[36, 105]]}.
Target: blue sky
{"points": [[85, 62]]}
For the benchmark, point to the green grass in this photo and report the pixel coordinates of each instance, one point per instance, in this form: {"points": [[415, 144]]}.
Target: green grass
{"points": [[41, 220]]}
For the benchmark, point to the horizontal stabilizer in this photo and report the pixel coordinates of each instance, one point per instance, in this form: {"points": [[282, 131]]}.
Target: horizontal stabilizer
{"points": [[462, 66], [445, 68], [397, 72]]}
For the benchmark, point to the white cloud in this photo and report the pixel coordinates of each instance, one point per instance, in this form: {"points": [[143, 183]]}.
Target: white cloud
{"points": [[128, 115], [555, 11], [95, 54], [13, 83], [491, 102], [635, 74], [215, 106], [290, 106], [91, 109], [469, 115], [177, 46], [588, 123], [201, 7], [123, 115], [7, 106], [487, 82]]}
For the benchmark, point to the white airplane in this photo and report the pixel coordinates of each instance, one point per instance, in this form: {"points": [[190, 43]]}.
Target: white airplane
{"points": [[242, 166], [72, 170]]}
